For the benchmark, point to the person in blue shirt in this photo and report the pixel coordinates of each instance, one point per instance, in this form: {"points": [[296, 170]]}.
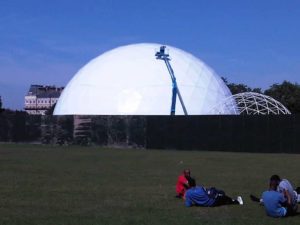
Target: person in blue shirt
{"points": [[284, 187], [275, 202], [209, 197]]}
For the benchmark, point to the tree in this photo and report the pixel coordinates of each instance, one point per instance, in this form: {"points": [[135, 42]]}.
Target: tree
{"points": [[286, 93], [239, 88], [64, 130], [0, 104], [257, 90], [99, 130], [6, 124], [19, 127], [33, 127]]}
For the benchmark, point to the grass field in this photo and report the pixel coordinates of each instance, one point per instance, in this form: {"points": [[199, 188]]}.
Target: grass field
{"points": [[89, 186]]}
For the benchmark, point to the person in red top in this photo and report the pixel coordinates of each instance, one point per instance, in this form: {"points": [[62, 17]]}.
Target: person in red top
{"points": [[183, 183]]}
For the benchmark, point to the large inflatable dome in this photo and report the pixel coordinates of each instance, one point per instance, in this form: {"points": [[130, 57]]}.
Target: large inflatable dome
{"points": [[129, 80]]}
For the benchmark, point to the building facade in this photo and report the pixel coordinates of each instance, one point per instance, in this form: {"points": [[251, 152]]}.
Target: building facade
{"points": [[41, 98]]}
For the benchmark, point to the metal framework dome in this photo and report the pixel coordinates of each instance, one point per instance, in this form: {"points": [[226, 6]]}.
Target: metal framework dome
{"points": [[251, 103]]}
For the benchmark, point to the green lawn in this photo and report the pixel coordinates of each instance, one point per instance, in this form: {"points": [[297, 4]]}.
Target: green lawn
{"points": [[93, 185]]}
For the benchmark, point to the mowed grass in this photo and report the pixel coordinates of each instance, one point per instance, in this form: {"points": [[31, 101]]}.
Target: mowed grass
{"points": [[93, 185]]}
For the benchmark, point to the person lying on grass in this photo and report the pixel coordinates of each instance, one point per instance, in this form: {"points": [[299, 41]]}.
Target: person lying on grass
{"points": [[183, 183], [284, 187], [209, 197]]}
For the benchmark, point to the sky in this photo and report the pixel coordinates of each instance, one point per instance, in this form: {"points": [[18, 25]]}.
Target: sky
{"points": [[254, 42]]}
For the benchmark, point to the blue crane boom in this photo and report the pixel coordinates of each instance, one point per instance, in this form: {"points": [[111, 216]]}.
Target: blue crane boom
{"points": [[175, 90]]}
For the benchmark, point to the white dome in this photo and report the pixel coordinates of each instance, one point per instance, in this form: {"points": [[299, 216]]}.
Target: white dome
{"points": [[129, 80]]}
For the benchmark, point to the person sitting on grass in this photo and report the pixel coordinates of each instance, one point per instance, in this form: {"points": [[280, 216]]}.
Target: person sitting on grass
{"points": [[209, 197], [284, 187], [183, 183], [276, 203], [297, 190]]}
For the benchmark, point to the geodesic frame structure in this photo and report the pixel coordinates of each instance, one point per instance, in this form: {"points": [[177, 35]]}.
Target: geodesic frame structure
{"points": [[251, 103]]}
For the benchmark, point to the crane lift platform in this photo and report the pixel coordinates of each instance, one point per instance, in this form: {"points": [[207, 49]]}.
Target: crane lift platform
{"points": [[162, 55]]}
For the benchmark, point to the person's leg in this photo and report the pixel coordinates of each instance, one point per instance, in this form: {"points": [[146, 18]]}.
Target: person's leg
{"points": [[291, 210], [254, 198], [225, 200], [221, 197], [214, 193]]}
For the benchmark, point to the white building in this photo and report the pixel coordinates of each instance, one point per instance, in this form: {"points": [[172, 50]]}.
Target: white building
{"points": [[41, 98], [130, 80]]}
